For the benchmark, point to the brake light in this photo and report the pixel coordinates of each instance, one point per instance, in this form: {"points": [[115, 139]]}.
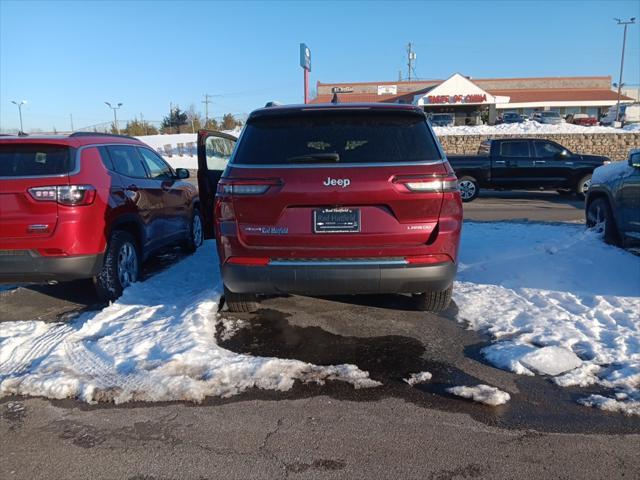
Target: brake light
{"points": [[428, 259], [249, 261], [71, 195], [425, 183], [246, 186]]}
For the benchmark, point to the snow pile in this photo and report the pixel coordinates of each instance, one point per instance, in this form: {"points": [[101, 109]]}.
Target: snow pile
{"points": [[180, 150], [550, 360], [557, 299], [632, 127], [482, 393], [156, 343], [528, 128], [417, 378]]}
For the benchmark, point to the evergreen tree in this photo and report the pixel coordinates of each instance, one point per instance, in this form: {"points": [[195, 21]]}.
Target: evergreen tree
{"points": [[174, 121]]}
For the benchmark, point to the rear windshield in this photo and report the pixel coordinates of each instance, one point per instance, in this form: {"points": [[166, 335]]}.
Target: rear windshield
{"points": [[337, 138], [36, 159]]}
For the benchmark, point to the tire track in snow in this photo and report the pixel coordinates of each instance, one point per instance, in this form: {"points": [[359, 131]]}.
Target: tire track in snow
{"points": [[25, 354]]}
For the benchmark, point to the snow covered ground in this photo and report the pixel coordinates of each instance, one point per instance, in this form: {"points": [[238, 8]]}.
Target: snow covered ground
{"points": [[530, 127], [556, 299], [155, 343], [179, 149]]}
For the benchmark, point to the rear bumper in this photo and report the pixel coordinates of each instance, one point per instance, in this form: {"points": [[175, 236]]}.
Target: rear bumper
{"points": [[337, 279], [29, 266]]}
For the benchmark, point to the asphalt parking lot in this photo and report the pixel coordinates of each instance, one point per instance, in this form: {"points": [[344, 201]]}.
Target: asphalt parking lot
{"points": [[331, 431]]}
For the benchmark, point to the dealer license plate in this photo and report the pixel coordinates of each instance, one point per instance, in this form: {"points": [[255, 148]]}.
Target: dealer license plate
{"points": [[336, 220]]}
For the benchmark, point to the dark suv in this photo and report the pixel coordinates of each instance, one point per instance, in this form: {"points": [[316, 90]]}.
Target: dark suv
{"points": [[333, 199], [89, 206], [613, 201]]}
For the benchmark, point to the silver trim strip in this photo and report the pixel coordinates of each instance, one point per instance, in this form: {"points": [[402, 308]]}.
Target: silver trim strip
{"points": [[334, 263], [337, 165]]}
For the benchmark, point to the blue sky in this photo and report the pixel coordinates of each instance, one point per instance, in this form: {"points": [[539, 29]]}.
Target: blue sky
{"points": [[69, 57]]}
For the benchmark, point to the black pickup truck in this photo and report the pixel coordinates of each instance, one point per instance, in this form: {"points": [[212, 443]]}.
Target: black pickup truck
{"points": [[524, 163]]}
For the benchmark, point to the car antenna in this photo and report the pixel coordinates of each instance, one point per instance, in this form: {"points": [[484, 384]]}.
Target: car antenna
{"points": [[335, 98]]}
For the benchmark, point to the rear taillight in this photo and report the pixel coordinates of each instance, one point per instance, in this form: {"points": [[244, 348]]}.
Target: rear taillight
{"points": [[427, 183], [71, 195], [246, 186]]}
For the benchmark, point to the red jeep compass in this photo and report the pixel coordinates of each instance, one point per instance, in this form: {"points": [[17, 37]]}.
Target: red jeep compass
{"points": [[89, 206], [334, 199]]}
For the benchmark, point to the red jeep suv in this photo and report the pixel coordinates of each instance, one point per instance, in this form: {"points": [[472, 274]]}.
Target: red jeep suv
{"points": [[334, 199], [89, 206]]}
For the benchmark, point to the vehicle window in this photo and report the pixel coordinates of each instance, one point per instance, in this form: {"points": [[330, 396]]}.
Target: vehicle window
{"points": [[158, 169], [550, 114], [514, 149], [546, 149], [126, 160], [29, 160], [218, 151], [484, 148], [106, 159], [340, 137]]}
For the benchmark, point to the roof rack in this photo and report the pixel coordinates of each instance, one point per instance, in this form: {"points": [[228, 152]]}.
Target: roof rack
{"points": [[99, 134]]}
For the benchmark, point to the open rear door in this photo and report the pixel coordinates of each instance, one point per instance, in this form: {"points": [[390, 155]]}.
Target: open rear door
{"points": [[214, 151]]}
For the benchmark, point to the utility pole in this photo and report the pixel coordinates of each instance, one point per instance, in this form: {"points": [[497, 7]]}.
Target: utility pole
{"points": [[631, 21], [71, 120], [146, 131], [206, 102], [411, 57]]}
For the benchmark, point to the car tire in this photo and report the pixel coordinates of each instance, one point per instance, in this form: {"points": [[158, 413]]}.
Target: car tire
{"points": [[196, 233], [121, 266], [582, 186], [240, 302], [433, 301], [599, 216], [469, 188]]}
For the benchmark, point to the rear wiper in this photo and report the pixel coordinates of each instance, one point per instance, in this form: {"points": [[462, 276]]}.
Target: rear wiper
{"points": [[315, 158]]}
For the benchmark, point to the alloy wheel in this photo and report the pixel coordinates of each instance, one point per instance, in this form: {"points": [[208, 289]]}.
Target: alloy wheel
{"points": [[467, 189], [127, 264], [196, 231]]}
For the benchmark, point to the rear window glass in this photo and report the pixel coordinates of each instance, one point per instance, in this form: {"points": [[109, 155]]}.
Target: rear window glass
{"points": [[337, 138], [36, 159]]}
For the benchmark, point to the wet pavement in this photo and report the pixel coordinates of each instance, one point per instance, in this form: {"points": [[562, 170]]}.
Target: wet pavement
{"points": [[281, 329]]}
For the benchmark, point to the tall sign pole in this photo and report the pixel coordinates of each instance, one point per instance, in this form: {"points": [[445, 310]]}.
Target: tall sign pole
{"points": [[305, 63]]}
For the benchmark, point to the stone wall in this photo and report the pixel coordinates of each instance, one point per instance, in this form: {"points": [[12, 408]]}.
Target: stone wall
{"points": [[614, 145]]}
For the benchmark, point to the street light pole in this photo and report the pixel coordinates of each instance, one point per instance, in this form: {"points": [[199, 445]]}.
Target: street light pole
{"points": [[20, 112], [631, 21], [115, 116]]}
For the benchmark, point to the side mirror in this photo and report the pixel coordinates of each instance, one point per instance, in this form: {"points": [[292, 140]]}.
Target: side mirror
{"points": [[182, 173], [634, 160], [563, 154]]}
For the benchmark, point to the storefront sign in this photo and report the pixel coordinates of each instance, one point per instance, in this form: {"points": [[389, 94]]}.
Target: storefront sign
{"points": [[342, 90], [305, 57], [474, 98], [387, 89]]}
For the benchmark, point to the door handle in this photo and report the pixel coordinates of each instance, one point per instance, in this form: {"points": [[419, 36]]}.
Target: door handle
{"points": [[500, 162], [539, 161]]}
